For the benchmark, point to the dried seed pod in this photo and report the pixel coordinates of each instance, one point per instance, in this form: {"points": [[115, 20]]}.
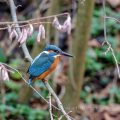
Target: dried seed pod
{"points": [[30, 30], [56, 23], [39, 34], [20, 37], [43, 32], [0, 71], [9, 29], [13, 34], [67, 25], [24, 36], [3, 73], [16, 34]]}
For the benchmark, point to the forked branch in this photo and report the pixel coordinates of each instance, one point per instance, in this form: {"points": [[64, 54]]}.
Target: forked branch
{"points": [[27, 55]]}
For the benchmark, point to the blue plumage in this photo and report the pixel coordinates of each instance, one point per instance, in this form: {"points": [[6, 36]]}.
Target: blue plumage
{"points": [[52, 47], [44, 61], [40, 64]]}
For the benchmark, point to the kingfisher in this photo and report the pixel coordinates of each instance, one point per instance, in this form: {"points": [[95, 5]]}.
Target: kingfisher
{"points": [[45, 63]]}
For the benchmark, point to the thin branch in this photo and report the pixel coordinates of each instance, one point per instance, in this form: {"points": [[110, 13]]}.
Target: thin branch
{"points": [[109, 17], [14, 17], [106, 41], [32, 20], [60, 118], [57, 100], [20, 26], [50, 107]]}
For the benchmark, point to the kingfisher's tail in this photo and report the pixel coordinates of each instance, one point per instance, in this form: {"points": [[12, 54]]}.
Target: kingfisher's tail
{"points": [[30, 81]]}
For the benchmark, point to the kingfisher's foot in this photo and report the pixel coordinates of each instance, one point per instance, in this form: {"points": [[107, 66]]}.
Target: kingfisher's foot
{"points": [[45, 80], [30, 82]]}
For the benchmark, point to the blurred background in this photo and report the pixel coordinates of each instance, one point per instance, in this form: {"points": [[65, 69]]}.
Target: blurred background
{"points": [[87, 85]]}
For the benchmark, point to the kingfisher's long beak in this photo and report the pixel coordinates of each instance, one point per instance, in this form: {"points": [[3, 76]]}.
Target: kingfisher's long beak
{"points": [[66, 54]]}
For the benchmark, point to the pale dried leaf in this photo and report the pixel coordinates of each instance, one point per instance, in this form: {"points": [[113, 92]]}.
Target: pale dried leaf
{"points": [[13, 34], [56, 24], [43, 32], [114, 3], [4, 73], [16, 34], [21, 35], [30, 30], [24, 37], [9, 29], [38, 37], [39, 34], [0, 71], [67, 25]]}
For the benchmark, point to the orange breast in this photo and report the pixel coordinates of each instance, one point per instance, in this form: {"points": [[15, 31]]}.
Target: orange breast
{"points": [[53, 66]]}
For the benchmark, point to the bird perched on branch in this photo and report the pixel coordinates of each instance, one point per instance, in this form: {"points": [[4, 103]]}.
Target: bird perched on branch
{"points": [[45, 63]]}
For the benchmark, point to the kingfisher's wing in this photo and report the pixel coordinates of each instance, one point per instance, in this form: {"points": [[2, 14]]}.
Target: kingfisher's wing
{"points": [[40, 64]]}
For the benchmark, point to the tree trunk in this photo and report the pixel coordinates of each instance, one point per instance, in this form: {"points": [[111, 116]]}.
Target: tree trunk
{"points": [[79, 47]]}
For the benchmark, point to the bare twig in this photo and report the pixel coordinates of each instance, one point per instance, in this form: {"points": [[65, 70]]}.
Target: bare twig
{"points": [[50, 107], [60, 118], [30, 21], [106, 41], [33, 20], [109, 17], [20, 26], [57, 100]]}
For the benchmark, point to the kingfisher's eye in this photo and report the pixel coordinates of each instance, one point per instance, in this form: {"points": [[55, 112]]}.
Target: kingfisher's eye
{"points": [[56, 51]]}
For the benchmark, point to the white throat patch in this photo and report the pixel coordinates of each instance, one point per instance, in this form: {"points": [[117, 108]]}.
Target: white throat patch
{"points": [[57, 56]]}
